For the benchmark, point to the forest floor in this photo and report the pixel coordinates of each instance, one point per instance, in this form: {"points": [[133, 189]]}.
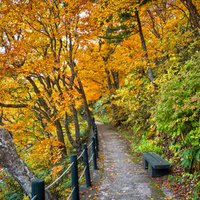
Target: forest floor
{"points": [[120, 174]]}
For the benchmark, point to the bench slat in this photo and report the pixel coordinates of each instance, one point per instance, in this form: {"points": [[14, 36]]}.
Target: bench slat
{"points": [[155, 160]]}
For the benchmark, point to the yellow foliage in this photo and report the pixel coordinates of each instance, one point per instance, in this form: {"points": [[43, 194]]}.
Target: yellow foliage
{"points": [[26, 198], [56, 170]]}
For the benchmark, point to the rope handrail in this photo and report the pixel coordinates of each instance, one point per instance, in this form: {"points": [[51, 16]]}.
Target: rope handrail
{"points": [[90, 145], [91, 158], [81, 154], [34, 197], [82, 174], [71, 193], [59, 177]]}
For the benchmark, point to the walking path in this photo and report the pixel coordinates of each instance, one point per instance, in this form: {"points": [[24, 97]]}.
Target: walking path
{"points": [[122, 177]]}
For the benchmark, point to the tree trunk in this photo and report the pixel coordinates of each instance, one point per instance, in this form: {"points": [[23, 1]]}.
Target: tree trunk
{"points": [[14, 165], [60, 136], [193, 14], [144, 45], [71, 140], [112, 90], [77, 130], [85, 105], [116, 79]]}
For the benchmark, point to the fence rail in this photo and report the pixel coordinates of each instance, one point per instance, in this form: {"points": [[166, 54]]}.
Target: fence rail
{"points": [[38, 189]]}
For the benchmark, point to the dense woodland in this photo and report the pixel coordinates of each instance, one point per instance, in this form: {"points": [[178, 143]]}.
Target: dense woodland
{"points": [[132, 63]]}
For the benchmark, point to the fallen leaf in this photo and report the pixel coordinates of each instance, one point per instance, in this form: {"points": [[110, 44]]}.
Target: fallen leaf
{"points": [[82, 192]]}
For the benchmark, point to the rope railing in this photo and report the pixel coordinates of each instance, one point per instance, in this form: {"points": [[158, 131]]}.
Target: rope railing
{"points": [[90, 145], [59, 177], [81, 154], [91, 158], [71, 193], [34, 197], [38, 185], [82, 174]]}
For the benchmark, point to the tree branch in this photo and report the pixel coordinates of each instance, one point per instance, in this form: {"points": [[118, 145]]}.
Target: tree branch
{"points": [[13, 105]]}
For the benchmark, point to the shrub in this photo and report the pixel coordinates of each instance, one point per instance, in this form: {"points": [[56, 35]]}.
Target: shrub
{"points": [[178, 112]]}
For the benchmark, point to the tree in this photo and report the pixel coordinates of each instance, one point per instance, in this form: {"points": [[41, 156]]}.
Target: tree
{"points": [[194, 15], [45, 65], [14, 165], [131, 9], [103, 67]]}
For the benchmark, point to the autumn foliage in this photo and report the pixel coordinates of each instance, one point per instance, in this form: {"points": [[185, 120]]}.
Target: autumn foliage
{"points": [[135, 61]]}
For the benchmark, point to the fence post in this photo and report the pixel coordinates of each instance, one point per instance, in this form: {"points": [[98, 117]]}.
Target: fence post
{"points": [[94, 128], [93, 124], [95, 132], [74, 174], [96, 145], [97, 139], [93, 120], [37, 187], [94, 153], [85, 160]]}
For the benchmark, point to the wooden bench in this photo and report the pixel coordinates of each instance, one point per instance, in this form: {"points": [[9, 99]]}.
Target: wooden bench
{"points": [[157, 166]]}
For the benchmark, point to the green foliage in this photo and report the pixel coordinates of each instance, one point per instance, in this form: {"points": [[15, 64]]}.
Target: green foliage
{"points": [[50, 174], [170, 177], [136, 99], [191, 158], [84, 132], [8, 188], [147, 145], [101, 110], [177, 112], [101, 107]]}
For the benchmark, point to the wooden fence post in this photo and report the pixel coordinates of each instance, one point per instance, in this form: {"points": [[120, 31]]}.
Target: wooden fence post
{"points": [[93, 120], [94, 128], [38, 189], [94, 153], [96, 145], [74, 174], [85, 161], [96, 134], [97, 141]]}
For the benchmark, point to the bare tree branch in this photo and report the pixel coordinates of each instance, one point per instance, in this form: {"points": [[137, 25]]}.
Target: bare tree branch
{"points": [[13, 105]]}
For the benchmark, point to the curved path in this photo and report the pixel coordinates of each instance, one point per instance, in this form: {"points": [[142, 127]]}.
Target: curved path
{"points": [[122, 177]]}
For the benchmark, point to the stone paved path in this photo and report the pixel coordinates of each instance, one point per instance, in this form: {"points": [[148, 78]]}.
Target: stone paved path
{"points": [[122, 178]]}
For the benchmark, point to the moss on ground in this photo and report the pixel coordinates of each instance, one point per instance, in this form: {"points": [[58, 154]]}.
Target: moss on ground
{"points": [[156, 190]]}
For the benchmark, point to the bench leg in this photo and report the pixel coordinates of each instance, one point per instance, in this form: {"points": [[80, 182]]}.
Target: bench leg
{"points": [[145, 163], [152, 171]]}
